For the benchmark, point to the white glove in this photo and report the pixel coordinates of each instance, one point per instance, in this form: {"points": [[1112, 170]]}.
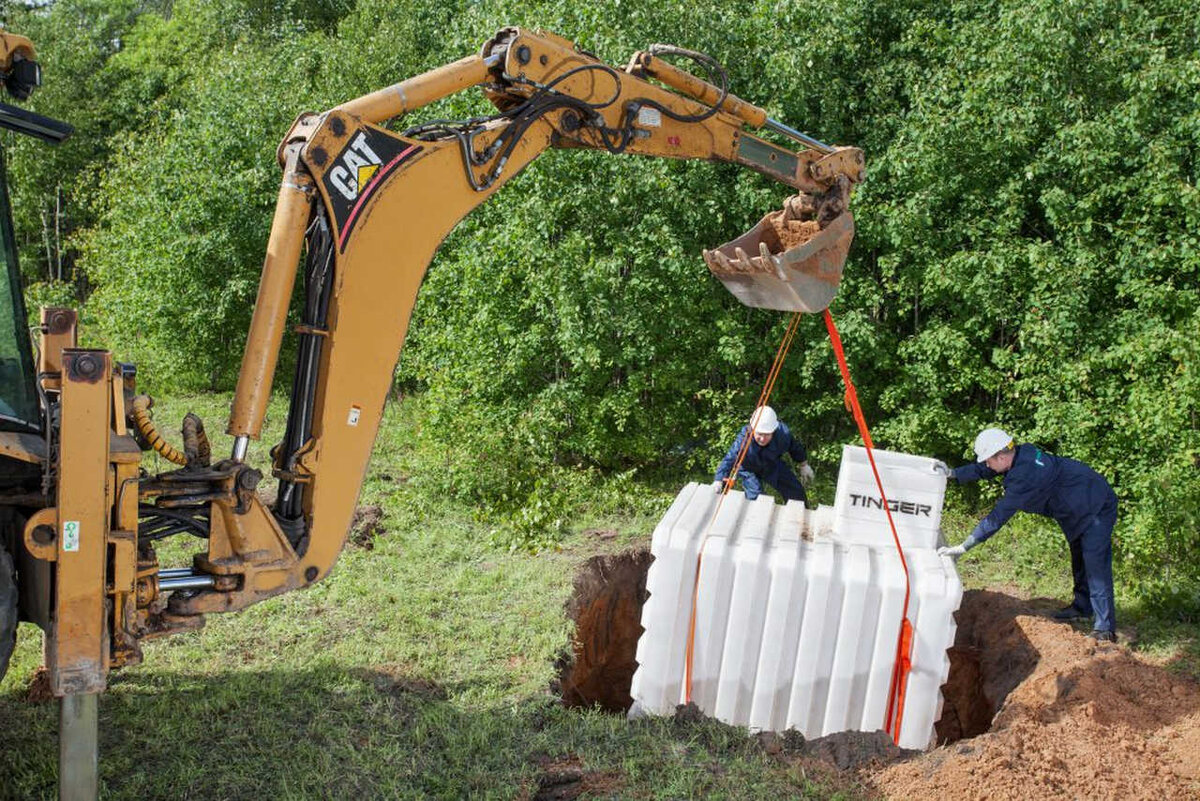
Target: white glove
{"points": [[719, 486], [941, 468], [953, 552], [806, 474]]}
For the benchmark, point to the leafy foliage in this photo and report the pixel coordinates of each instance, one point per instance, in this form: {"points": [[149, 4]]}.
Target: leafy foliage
{"points": [[1027, 252]]}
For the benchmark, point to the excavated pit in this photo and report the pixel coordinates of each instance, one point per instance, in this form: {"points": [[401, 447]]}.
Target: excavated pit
{"points": [[1033, 707], [606, 607], [988, 659]]}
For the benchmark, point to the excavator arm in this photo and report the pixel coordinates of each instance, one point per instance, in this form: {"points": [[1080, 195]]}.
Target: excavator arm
{"points": [[367, 207], [374, 206]]}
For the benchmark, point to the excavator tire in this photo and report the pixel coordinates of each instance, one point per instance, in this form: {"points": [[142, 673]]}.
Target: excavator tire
{"points": [[8, 609]]}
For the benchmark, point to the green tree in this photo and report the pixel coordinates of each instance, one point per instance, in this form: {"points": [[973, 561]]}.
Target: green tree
{"points": [[1027, 245]]}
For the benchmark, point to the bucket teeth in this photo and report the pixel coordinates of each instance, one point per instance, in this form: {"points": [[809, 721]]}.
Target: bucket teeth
{"points": [[798, 260]]}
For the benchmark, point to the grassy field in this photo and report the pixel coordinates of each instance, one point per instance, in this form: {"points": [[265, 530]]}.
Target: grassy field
{"points": [[420, 668]]}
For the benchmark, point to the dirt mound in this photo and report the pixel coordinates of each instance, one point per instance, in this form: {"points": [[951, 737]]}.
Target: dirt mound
{"points": [[606, 607], [855, 749], [565, 779], [38, 689], [366, 525], [1073, 719]]}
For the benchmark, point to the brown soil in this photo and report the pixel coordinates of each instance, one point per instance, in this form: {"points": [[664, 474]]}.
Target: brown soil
{"points": [[565, 779], [606, 608], [38, 689], [1073, 719], [366, 526], [792, 232]]}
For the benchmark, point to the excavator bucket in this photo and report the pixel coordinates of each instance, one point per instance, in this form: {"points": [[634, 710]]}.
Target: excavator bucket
{"points": [[790, 261]]}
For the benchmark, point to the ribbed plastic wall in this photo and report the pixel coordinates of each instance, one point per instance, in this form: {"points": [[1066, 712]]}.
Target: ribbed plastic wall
{"points": [[796, 623]]}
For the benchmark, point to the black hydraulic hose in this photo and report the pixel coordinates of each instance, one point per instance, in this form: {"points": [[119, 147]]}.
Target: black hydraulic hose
{"points": [[715, 71], [155, 523], [543, 100], [318, 283]]}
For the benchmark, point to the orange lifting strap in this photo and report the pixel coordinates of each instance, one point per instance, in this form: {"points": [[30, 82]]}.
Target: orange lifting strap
{"points": [[763, 397], [903, 664]]}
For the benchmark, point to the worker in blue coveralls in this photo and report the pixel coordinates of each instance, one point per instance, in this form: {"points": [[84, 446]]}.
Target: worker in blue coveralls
{"points": [[1072, 493], [764, 459]]}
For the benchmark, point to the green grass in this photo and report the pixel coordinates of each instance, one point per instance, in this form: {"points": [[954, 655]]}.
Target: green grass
{"points": [[418, 669]]}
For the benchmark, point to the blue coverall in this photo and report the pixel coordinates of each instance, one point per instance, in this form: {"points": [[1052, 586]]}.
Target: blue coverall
{"points": [[1082, 502], [765, 463]]}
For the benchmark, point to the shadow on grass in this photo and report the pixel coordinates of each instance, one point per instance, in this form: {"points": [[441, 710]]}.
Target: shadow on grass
{"points": [[317, 733], [328, 732]]}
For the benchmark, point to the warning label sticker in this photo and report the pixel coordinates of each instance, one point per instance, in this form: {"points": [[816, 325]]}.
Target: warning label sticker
{"points": [[70, 535]]}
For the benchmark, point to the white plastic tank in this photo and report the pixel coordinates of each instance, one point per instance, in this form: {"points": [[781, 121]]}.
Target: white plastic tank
{"points": [[915, 493], [797, 616]]}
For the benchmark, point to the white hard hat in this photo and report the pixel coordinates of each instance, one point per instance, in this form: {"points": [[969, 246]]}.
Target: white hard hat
{"points": [[990, 442], [764, 421]]}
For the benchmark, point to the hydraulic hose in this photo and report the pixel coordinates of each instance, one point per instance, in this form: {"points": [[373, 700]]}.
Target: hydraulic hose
{"points": [[145, 427]]}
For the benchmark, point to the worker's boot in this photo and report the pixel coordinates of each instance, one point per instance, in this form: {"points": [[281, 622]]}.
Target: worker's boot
{"points": [[1071, 612], [1103, 636]]}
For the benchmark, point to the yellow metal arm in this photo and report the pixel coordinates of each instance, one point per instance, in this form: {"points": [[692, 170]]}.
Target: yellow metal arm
{"points": [[375, 205], [14, 48]]}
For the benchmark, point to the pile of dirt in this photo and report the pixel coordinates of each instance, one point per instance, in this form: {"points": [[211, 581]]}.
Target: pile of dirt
{"points": [[366, 525], [606, 607], [38, 690], [1074, 719], [565, 779], [847, 750]]}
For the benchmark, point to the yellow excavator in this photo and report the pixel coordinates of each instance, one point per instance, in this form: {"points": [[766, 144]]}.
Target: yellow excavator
{"points": [[363, 205]]}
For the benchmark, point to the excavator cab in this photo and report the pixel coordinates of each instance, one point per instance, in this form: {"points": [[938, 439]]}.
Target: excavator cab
{"points": [[18, 398], [20, 75]]}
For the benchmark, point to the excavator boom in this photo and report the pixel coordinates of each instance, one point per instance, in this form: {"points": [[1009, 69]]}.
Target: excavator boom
{"points": [[370, 206]]}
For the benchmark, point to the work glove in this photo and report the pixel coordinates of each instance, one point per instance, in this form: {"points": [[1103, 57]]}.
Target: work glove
{"points": [[952, 551], [806, 474], [719, 486], [941, 468]]}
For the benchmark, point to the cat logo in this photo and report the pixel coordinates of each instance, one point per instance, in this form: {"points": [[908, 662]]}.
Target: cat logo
{"points": [[369, 156], [358, 164]]}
